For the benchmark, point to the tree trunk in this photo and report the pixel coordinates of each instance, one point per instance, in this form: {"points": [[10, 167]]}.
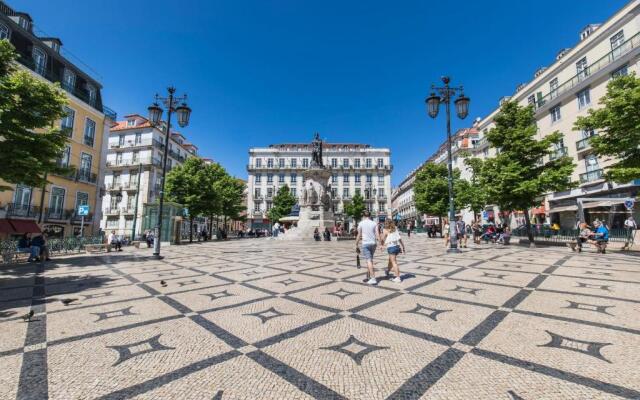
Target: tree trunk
{"points": [[191, 229], [527, 224]]}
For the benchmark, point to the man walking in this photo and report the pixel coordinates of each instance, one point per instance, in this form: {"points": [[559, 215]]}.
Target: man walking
{"points": [[461, 232], [370, 236], [631, 226]]}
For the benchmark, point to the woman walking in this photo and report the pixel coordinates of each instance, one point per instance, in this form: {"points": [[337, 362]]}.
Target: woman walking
{"points": [[393, 242], [446, 231]]}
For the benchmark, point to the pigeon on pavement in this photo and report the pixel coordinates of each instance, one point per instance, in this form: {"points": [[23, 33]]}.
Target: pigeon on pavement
{"points": [[28, 316], [66, 302], [163, 283]]}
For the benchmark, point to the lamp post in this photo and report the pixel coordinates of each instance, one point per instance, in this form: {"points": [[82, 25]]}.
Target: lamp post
{"points": [[172, 104], [444, 95]]}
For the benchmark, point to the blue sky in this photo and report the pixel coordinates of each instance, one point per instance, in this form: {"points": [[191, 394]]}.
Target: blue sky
{"points": [[260, 72]]}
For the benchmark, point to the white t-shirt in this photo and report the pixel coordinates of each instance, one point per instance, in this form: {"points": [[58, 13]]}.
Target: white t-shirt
{"points": [[393, 239], [368, 229]]}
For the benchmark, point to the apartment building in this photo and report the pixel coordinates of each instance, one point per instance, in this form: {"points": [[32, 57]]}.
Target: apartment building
{"points": [[135, 150], [567, 89], [403, 197], [355, 168], [54, 207]]}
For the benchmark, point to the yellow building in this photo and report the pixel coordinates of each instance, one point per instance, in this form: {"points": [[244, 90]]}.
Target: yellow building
{"points": [[54, 209]]}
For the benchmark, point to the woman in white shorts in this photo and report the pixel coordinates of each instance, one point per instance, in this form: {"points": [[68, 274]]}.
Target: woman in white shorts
{"points": [[393, 242]]}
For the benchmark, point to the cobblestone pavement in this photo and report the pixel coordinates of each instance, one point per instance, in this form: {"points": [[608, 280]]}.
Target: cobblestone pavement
{"points": [[264, 319]]}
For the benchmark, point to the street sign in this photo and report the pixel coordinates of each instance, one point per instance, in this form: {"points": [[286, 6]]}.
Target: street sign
{"points": [[83, 210], [629, 204], [485, 215]]}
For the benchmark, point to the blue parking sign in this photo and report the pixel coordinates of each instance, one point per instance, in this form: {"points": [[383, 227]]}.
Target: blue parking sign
{"points": [[83, 210], [629, 204]]}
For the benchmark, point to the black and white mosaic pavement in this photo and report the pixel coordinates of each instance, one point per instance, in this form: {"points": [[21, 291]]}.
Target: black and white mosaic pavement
{"points": [[265, 319]]}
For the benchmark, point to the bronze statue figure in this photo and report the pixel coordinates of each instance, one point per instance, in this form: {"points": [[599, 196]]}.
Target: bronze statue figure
{"points": [[316, 152]]}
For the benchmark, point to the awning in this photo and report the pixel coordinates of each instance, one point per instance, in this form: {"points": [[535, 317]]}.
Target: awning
{"points": [[563, 208], [538, 210], [6, 227], [24, 226], [289, 219], [606, 203]]}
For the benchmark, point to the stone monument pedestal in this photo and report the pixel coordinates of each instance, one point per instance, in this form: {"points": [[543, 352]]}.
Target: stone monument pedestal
{"points": [[315, 205]]}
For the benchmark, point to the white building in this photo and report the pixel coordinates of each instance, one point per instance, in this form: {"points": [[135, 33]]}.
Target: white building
{"points": [[134, 170], [356, 168], [567, 89]]}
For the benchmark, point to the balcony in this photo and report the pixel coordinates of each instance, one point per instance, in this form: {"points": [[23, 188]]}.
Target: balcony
{"points": [[258, 199], [592, 176], [81, 93], [480, 143], [109, 113], [86, 176], [176, 156], [112, 211], [557, 153], [124, 163], [128, 210], [583, 144], [614, 55], [22, 211], [57, 214]]}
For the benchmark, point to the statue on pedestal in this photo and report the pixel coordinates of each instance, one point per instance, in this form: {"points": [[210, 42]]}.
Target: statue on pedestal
{"points": [[316, 151]]}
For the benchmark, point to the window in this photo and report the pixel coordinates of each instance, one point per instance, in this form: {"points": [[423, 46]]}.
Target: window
{"points": [[56, 202], [294, 162], [269, 192], [553, 88], [584, 99], [369, 178], [345, 179], [281, 162], [294, 179], [269, 162], [367, 163], [358, 191], [39, 60], [616, 42], [4, 32], [358, 177], [345, 193], [258, 178], [334, 178], [258, 162], [587, 133], [356, 163], [24, 23], [294, 192], [138, 138], [334, 162], [257, 193], [89, 132], [65, 158], [93, 94], [381, 193], [22, 196], [305, 163], [281, 178], [269, 178], [380, 162], [345, 162], [269, 204], [381, 179], [135, 157], [622, 71], [531, 100], [591, 163], [82, 199], [121, 140], [131, 122], [334, 192], [68, 80], [85, 166], [68, 120], [256, 207], [582, 68], [555, 114]]}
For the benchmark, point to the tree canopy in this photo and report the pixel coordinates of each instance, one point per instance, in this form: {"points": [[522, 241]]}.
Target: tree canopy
{"points": [[355, 208], [472, 193], [282, 204], [522, 171], [29, 109], [618, 127], [431, 189]]}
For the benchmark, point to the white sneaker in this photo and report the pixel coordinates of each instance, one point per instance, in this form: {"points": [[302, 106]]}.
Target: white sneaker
{"points": [[397, 279], [372, 281]]}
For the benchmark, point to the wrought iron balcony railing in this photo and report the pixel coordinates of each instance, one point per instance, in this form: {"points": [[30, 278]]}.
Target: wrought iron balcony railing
{"points": [[592, 176]]}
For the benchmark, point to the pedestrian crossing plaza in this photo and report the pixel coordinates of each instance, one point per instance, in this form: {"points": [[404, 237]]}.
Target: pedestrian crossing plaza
{"points": [[270, 319]]}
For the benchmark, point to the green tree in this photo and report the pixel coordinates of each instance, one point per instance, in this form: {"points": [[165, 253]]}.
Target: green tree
{"points": [[355, 208], [431, 189], [191, 184], [282, 204], [518, 176], [27, 105], [472, 193], [618, 125], [231, 198]]}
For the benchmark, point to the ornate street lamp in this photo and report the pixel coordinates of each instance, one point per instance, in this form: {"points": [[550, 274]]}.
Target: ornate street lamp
{"points": [[179, 106], [444, 95]]}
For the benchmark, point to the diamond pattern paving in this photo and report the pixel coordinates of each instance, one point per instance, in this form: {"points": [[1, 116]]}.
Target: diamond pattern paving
{"points": [[266, 319]]}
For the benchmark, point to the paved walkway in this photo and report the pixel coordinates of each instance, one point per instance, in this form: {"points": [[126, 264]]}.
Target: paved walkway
{"points": [[262, 319]]}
